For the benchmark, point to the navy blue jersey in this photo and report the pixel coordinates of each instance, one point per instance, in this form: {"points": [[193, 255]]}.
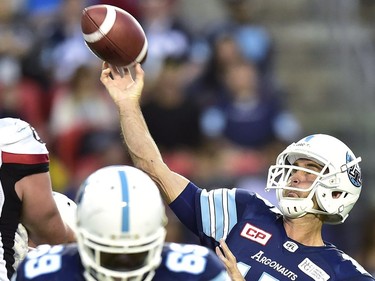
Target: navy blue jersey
{"points": [[179, 262], [188, 262], [51, 263], [254, 232]]}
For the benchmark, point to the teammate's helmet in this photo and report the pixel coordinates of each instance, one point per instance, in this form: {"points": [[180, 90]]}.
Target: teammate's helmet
{"points": [[120, 224], [67, 208], [336, 188]]}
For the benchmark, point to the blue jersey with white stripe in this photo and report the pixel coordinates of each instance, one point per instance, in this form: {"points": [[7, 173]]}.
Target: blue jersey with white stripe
{"points": [[254, 231], [182, 262]]}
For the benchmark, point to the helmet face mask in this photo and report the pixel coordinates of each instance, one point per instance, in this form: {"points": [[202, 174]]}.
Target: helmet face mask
{"points": [[120, 224], [336, 187]]}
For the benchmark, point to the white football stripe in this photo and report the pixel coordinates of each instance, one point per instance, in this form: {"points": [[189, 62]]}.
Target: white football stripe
{"points": [[104, 28], [143, 51]]}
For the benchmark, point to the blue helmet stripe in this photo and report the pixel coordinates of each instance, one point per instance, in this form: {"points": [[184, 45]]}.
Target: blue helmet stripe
{"points": [[125, 200]]}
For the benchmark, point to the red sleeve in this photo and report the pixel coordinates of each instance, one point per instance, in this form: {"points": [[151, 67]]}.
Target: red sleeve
{"points": [[15, 158]]}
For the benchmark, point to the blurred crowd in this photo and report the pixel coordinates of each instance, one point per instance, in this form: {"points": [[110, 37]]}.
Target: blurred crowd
{"points": [[211, 100]]}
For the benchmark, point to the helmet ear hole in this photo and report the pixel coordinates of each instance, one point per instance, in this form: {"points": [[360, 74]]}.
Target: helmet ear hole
{"points": [[337, 194], [325, 199]]}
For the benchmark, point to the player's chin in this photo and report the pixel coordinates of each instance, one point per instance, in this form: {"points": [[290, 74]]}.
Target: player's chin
{"points": [[291, 194]]}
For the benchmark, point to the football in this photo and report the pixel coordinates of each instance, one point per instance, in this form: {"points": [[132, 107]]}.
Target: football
{"points": [[114, 35]]}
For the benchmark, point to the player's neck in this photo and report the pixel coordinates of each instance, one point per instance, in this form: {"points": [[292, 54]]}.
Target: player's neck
{"points": [[306, 230]]}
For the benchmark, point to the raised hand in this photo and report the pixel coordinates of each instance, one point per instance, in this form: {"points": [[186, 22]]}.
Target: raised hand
{"points": [[120, 83]]}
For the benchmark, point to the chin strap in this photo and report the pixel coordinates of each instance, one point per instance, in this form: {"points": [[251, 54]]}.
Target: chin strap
{"points": [[296, 207]]}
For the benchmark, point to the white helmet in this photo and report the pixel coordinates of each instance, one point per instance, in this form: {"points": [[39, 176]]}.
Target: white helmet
{"points": [[67, 208], [120, 224], [340, 175]]}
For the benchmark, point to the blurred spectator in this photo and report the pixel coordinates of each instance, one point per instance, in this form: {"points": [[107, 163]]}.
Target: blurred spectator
{"points": [[251, 116], [248, 125], [131, 6], [16, 36], [16, 40], [69, 51], [79, 107], [60, 48], [167, 109], [166, 34], [84, 128], [21, 97], [167, 102], [41, 13], [207, 88], [243, 120], [254, 40]]}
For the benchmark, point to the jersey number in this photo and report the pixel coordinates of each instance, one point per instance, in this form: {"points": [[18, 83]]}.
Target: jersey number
{"points": [[45, 259], [187, 258]]}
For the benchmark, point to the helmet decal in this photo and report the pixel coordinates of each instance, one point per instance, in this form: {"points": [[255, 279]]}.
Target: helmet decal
{"points": [[354, 172], [125, 199]]}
